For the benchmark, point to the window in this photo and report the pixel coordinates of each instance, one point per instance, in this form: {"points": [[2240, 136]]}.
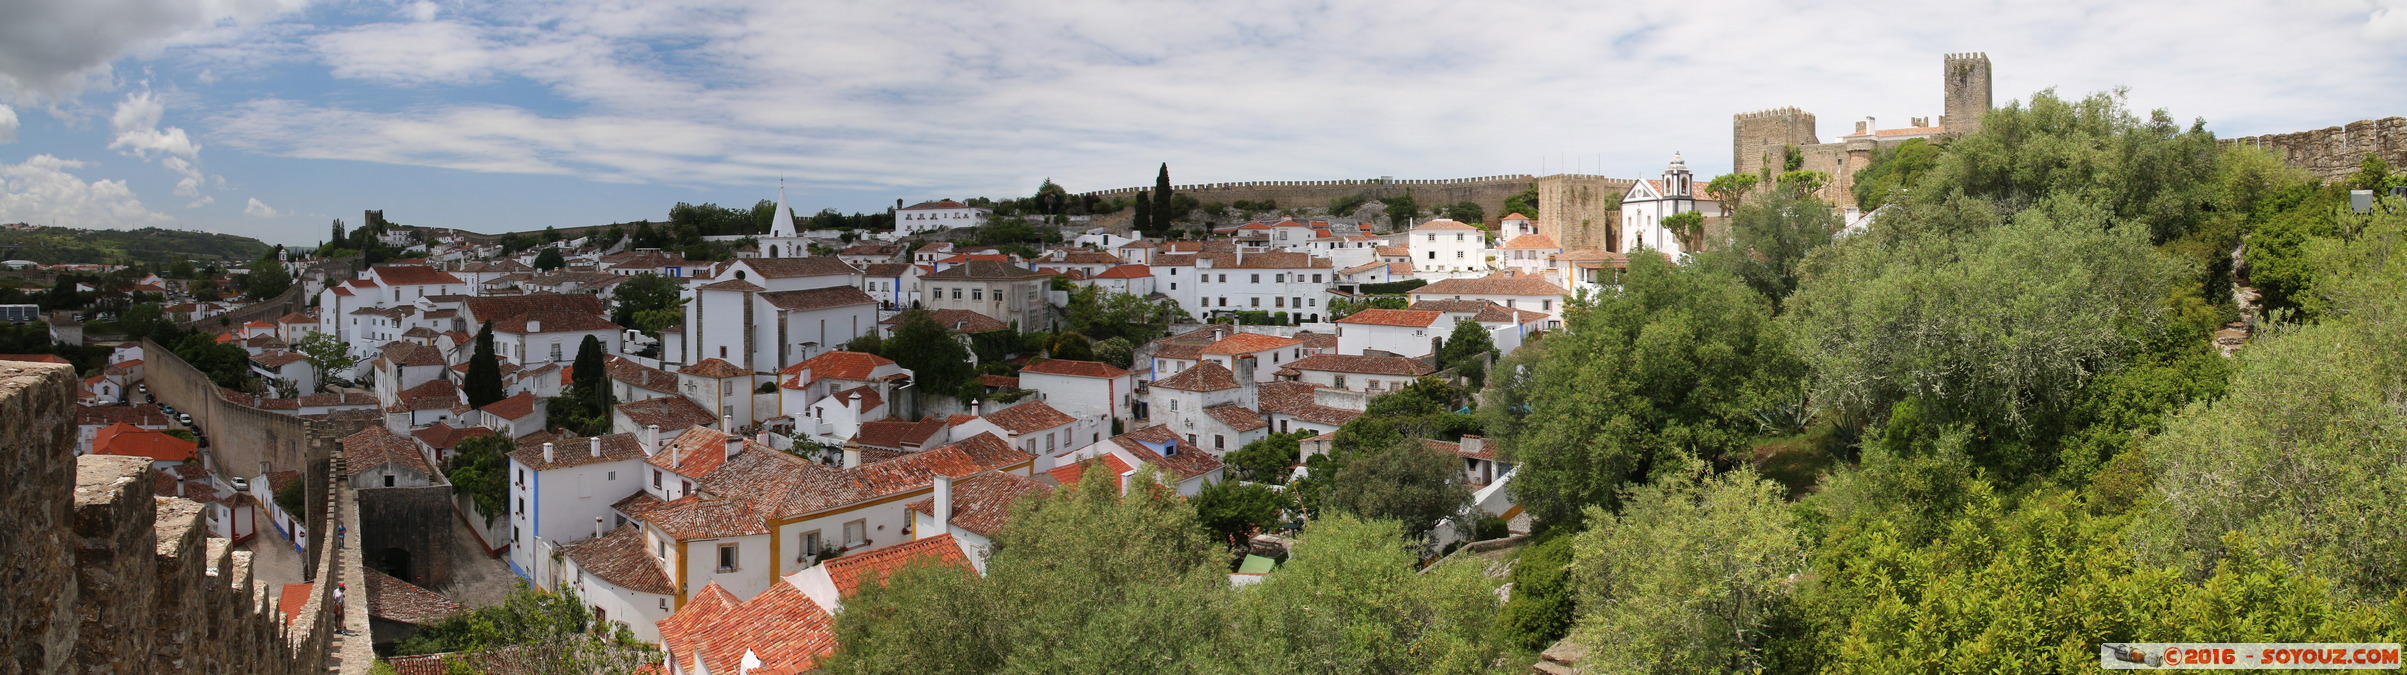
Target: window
{"points": [[1458, 255], [1190, 438], [1433, 236], [1280, 278], [1433, 255], [522, 476], [1174, 405], [1048, 442], [1341, 381], [1458, 236], [613, 476], [1224, 278], [686, 487], [1546, 305], [1219, 442], [956, 293], [856, 533], [522, 506], [1174, 285], [656, 478], [727, 388], [1174, 271], [727, 557], [1256, 279], [1257, 302], [1316, 278], [555, 350], [977, 294], [810, 544], [388, 480], [1278, 302]]}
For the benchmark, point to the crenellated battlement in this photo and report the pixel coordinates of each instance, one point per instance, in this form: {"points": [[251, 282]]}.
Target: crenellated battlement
{"points": [[106, 577]]}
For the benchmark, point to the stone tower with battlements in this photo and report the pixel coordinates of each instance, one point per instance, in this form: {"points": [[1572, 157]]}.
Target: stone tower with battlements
{"points": [[1966, 77], [1763, 137]]}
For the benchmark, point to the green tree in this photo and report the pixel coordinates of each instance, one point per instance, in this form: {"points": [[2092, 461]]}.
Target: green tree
{"points": [[1164, 211], [481, 470], [227, 364], [1688, 577], [327, 354], [1116, 351], [648, 302], [1731, 189], [1468, 212], [937, 362], [1267, 460], [1400, 209], [1101, 314], [1996, 325], [1681, 363], [1770, 237], [2150, 172], [1893, 170], [1524, 203], [1082, 580], [1070, 345], [1231, 510], [267, 278], [1689, 226], [1144, 223], [1540, 609], [550, 259], [483, 383], [1349, 601], [1348, 204], [1466, 351], [1802, 182], [1406, 482], [533, 632]]}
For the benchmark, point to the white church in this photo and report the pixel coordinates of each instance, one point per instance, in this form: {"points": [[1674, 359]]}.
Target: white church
{"points": [[1650, 201]]}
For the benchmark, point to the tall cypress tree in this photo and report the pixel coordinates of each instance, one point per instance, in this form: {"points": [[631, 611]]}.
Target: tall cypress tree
{"points": [[484, 371], [1144, 224], [589, 378], [1161, 198]]}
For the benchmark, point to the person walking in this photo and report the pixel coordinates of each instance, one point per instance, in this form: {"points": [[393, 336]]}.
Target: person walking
{"points": [[340, 531], [341, 626]]}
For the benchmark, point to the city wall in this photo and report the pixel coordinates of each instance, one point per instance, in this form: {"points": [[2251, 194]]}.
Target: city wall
{"points": [[2332, 153], [243, 441], [1489, 192], [104, 577]]}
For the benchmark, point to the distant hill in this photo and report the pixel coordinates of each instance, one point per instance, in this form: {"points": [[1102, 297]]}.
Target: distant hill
{"points": [[150, 245]]}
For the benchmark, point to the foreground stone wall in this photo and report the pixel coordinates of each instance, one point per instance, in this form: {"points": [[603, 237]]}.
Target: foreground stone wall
{"points": [[105, 577], [2332, 153]]}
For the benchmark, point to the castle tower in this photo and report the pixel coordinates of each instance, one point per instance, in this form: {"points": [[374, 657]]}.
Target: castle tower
{"points": [[1762, 137], [1966, 77]]}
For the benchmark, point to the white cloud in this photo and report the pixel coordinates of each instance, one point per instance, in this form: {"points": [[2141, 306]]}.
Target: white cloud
{"points": [[56, 47], [260, 209], [41, 190], [138, 134], [918, 97], [8, 124], [197, 203]]}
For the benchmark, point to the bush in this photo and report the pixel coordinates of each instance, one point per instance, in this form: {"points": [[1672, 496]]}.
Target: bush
{"points": [[1540, 610]]}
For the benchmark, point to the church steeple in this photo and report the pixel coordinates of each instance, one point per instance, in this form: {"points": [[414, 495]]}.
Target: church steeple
{"points": [[781, 224], [1676, 179]]}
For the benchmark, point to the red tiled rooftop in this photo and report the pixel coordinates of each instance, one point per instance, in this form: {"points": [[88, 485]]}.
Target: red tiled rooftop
{"points": [[1392, 317], [1074, 368], [130, 441]]}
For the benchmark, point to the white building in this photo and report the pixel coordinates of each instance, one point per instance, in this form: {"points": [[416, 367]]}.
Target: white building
{"points": [[1082, 388], [560, 491], [1446, 246], [1295, 284], [1650, 201], [937, 215], [1403, 332]]}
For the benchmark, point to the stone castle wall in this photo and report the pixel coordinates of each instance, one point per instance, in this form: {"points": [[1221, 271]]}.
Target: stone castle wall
{"points": [[104, 577], [1762, 137], [2332, 153], [243, 441], [1581, 212], [1489, 192]]}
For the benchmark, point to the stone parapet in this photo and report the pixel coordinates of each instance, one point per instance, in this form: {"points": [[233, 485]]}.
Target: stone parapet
{"points": [[37, 550], [116, 567]]}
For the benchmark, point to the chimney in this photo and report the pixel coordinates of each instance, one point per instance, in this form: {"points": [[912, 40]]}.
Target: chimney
{"points": [[596, 444], [1860, 127], [852, 457], [973, 408], [1245, 370], [534, 326], [1218, 333], [651, 439], [735, 446], [1470, 444], [597, 527], [944, 499], [727, 424], [547, 453], [676, 455]]}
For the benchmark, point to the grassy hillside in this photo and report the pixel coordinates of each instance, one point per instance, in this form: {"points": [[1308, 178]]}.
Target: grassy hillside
{"points": [[152, 245]]}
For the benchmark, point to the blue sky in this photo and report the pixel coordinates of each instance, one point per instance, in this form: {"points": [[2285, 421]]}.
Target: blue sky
{"points": [[270, 117]]}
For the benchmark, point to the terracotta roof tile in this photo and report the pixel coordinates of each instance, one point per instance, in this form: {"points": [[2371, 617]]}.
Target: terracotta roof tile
{"points": [[1074, 368], [786, 268], [576, 451], [377, 446], [1369, 365], [513, 408], [1249, 343], [713, 368], [443, 436], [640, 376], [435, 394], [1442, 224], [1491, 285], [619, 557], [414, 275], [1186, 462], [898, 435], [1532, 241], [1070, 473], [818, 298], [1392, 317], [669, 412], [782, 627], [504, 307], [1029, 417], [987, 269], [131, 441], [1237, 417], [144, 415], [554, 322], [1297, 400], [849, 572], [1206, 376], [392, 599], [842, 365]]}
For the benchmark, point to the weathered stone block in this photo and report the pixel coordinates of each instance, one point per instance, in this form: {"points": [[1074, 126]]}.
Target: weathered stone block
{"points": [[116, 564], [38, 623], [180, 624]]}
